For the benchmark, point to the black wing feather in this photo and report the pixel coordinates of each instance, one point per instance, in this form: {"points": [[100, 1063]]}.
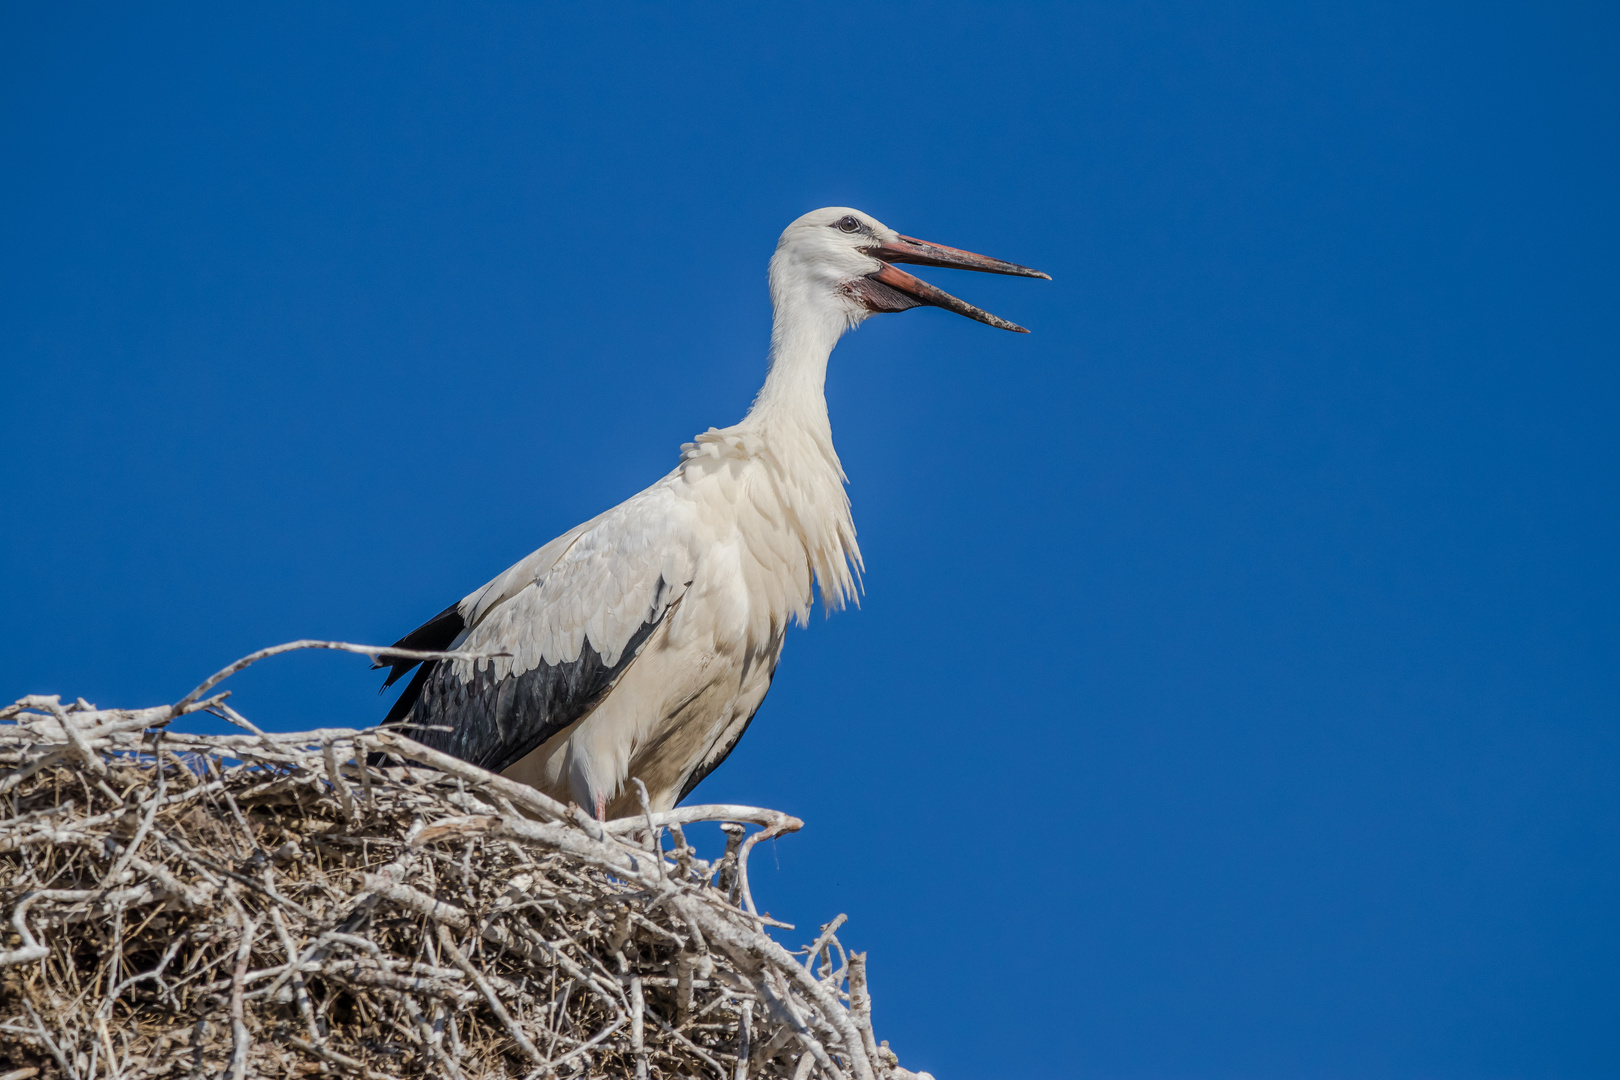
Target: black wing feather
{"points": [[435, 635], [495, 722], [409, 695]]}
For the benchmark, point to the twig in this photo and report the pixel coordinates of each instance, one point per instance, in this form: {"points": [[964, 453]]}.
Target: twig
{"points": [[456, 922], [745, 1031], [326, 1053], [638, 1037], [460, 960], [860, 1003], [239, 1031], [337, 781], [50, 1043], [376, 652]]}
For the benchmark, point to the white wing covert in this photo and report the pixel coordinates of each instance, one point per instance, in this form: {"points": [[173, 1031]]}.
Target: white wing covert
{"points": [[572, 616]]}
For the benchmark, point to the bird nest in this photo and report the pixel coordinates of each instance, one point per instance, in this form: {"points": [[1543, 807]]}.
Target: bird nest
{"points": [[352, 903]]}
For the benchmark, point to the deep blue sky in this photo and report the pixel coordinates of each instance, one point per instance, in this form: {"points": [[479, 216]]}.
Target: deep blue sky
{"points": [[1236, 689]]}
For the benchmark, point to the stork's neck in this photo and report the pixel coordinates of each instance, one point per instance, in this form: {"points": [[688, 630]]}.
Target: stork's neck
{"points": [[794, 394], [790, 417]]}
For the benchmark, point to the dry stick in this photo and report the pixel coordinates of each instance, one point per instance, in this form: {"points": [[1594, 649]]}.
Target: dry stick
{"points": [[414, 900], [683, 987], [31, 950], [112, 1055], [727, 865], [827, 933], [574, 970], [827, 972], [460, 960], [343, 1060], [17, 776], [239, 1031], [438, 1022], [683, 854], [807, 1061], [554, 1028], [595, 1040], [689, 815], [768, 833], [300, 991], [457, 1050], [156, 975], [50, 1043], [780, 1001], [654, 843], [758, 945], [667, 1029], [521, 795], [772, 1046], [376, 652], [91, 759], [337, 782], [755, 943], [211, 788], [638, 1044], [145, 827], [95, 725], [839, 1020], [297, 746], [241, 819], [204, 864], [583, 848], [128, 721], [745, 1025], [360, 756], [364, 974], [860, 1004], [266, 741], [698, 940], [114, 954]]}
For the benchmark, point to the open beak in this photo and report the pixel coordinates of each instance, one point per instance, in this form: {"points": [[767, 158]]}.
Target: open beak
{"points": [[892, 289]]}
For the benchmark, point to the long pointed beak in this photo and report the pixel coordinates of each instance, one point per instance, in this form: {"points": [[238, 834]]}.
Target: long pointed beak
{"points": [[908, 249]]}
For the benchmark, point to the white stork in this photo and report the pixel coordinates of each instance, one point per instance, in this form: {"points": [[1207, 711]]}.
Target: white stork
{"points": [[642, 641]]}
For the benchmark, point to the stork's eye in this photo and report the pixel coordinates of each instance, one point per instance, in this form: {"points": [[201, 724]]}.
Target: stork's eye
{"points": [[849, 224]]}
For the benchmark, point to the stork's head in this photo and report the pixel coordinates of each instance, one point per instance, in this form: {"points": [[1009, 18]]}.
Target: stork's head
{"points": [[844, 259]]}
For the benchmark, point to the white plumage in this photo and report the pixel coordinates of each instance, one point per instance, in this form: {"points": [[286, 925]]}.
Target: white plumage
{"points": [[643, 640]]}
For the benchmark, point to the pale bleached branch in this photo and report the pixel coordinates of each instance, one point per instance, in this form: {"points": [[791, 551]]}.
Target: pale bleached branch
{"points": [[423, 917]]}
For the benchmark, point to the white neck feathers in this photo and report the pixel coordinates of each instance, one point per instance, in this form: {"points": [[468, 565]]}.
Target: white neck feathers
{"points": [[789, 417]]}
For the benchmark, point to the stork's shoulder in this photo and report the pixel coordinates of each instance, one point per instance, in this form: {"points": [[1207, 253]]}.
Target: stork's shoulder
{"points": [[651, 534], [740, 442], [600, 581], [521, 574]]}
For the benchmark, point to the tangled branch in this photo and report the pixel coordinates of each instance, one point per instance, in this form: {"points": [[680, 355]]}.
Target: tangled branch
{"points": [[356, 904]]}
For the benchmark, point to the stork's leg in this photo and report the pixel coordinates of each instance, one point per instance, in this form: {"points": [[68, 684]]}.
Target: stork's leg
{"points": [[601, 808]]}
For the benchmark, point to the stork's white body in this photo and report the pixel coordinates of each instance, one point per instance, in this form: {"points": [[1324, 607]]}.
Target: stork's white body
{"points": [[744, 522], [739, 528], [642, 642]]}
